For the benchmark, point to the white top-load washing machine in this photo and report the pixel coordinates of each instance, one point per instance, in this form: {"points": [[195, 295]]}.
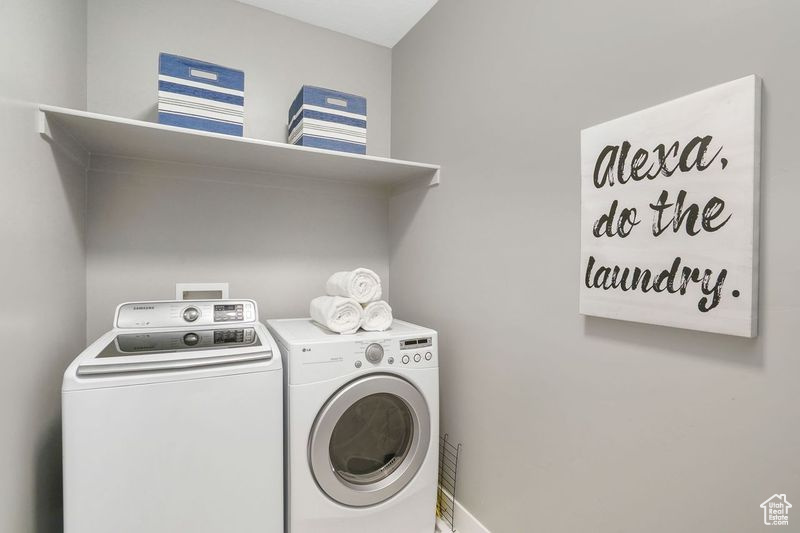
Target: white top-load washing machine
{"points": [[173, 422], [362, 415]]}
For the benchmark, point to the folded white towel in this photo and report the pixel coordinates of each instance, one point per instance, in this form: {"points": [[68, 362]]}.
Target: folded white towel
{"points": [[377, 316], [362, 284], [338, 314]]}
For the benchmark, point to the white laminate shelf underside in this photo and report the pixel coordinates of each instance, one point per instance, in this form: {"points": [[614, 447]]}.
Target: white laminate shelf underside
{"points": [[82, 134]]}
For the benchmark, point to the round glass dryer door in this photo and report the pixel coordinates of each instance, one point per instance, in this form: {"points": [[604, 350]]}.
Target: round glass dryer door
{"points": [[370, 440]]}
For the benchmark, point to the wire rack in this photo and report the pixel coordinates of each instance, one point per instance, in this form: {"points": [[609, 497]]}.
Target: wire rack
{"points": [[448, 469]]}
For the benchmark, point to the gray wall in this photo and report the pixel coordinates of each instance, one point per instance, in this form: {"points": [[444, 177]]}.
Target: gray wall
{"points": [[572, 423], [42, 318], [274, 238]]}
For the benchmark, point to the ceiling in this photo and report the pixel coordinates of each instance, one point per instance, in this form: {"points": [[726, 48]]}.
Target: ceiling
{"points": [[382, 22]]}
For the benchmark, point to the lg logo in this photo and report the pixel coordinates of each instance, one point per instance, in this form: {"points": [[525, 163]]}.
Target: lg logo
{"points": [[306, 349]]}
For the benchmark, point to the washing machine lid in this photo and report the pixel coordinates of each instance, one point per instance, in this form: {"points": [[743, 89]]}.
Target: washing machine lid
{"points": [[153, 350]]}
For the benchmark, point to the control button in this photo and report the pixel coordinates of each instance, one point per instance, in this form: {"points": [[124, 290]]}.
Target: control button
{"points": [[417, 358], [358, 364], [190, 314], [390, 360], [405, 359], [374, 353], [190, 339], [428, 356]]}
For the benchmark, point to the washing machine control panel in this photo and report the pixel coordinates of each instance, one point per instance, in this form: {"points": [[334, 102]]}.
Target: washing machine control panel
{"points": [[171, 314], [175, 341]]}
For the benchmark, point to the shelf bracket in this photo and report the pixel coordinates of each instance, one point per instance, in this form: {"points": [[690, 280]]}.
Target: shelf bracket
{"points": [[57, 136], [436, 179]]}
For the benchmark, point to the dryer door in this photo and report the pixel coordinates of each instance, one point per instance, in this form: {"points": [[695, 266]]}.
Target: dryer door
{"points": [[370, 440]]}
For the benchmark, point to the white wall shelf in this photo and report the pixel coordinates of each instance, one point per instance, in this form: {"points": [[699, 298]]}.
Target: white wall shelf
{"points": [[83, 134]]}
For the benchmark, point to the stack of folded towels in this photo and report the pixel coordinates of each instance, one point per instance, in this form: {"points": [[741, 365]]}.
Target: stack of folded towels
{"points": [[352, 302]]}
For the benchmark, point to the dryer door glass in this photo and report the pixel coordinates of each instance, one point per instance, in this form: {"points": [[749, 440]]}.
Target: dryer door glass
{"points": [[370, 440]]}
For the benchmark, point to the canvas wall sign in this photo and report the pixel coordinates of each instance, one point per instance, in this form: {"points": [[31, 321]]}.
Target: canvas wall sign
{"points": [[669, 212]]}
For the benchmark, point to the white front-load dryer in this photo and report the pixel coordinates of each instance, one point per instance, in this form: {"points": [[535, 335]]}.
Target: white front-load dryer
{"points": [[173, 422], [362, 415]]}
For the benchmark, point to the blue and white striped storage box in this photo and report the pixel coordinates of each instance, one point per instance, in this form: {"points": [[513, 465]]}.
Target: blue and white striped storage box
{"points": [[333, 120], [199, 95]]}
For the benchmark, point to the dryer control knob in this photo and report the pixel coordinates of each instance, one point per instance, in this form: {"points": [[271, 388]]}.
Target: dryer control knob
{"points": [[190, 314], [374, 353], [191, 339]]}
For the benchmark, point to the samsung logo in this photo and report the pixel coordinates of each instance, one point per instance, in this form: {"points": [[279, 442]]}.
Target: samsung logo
{"points": [[143, 307]]}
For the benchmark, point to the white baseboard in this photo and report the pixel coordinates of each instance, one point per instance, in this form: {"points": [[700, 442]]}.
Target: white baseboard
{"points": [[464, 521]]}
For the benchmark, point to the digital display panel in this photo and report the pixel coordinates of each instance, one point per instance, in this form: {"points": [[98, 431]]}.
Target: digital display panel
{"points": [[415, 343], [228, 336], [229, 312]]}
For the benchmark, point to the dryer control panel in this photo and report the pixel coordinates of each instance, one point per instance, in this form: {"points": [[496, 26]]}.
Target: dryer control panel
{"points": [[182, 313], [313, 353], [415, 351]]}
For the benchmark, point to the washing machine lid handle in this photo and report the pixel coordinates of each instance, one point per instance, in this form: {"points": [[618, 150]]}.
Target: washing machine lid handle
{"points": [[145, 365]]}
